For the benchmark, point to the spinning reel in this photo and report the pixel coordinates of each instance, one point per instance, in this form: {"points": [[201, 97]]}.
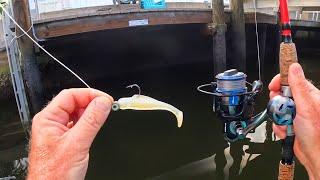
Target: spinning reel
{"points": [[234, 104]]}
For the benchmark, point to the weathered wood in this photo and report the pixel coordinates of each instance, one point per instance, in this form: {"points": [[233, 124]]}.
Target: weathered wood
{"points": [[114, 21], [111, 9], [50, 29], [238, 34], [219, 39], [218, 12], [73, 21], [31, 72]]}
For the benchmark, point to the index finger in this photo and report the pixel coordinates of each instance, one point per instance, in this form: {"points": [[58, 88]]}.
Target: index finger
{"points": [[68, 101]]}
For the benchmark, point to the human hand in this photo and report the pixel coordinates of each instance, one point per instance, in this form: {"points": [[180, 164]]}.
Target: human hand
{"points": [[307, 121], [63, 132]]}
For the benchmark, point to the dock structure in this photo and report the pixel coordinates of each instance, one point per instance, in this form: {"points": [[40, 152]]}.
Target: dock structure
{"points": [[73, 21], [65, 22], [219, 29]]}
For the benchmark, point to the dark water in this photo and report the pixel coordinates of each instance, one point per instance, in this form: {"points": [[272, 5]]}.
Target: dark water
{"points": [[148, 145]]}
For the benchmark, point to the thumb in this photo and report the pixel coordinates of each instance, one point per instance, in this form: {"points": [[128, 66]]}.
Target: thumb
{"points": [[92, 119], [300, 87]]}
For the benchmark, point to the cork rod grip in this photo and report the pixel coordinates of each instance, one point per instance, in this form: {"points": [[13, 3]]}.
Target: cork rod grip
{"points": [[286, 172], [288, 56]]}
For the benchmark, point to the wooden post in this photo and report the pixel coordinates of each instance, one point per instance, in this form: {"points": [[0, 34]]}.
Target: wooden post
{"points": [[31, 73], [238, 36], [219, 28]]}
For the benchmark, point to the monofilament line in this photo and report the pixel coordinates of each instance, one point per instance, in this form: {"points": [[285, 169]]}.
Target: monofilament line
{"points": [[63, 65], [257, 37]]}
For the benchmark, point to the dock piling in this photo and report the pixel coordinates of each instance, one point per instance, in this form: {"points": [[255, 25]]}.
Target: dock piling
{"points": [[30, 71], [238, 34]]}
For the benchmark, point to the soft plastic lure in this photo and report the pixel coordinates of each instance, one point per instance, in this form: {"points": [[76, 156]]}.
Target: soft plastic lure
{"points": [[141, 102]]}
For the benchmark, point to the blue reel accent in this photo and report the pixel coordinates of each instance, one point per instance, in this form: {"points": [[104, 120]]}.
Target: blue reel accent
{"points": [[232, 83], [282, 110], [234, 95]]}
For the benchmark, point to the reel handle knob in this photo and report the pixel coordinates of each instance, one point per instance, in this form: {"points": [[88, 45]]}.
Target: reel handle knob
{"points": [[257, 86], [282, 110]]}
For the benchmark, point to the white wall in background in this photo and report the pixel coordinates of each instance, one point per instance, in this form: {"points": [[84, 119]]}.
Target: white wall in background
{"points": [[57, 5]]}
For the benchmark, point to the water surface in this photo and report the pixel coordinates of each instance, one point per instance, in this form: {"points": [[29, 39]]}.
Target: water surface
{"points": [[149, 145]]}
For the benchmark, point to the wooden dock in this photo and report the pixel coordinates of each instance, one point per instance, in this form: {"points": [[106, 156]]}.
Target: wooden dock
{"points": [[73, 21], [304, 14]]}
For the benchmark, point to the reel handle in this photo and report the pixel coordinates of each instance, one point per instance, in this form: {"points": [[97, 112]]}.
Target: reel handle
{"points": [[288, 56]]}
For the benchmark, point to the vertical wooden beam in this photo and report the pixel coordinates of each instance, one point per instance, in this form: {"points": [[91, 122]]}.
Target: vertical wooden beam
{"points": [[219, 40], [31, 73], [238, 36]]}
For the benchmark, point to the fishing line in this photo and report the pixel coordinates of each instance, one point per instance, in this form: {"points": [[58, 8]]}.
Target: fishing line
{"points": [[257, 37], [17, 37], [54, 58]]}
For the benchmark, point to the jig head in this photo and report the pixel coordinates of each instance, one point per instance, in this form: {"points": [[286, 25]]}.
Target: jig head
{"points": [[144, 103]]}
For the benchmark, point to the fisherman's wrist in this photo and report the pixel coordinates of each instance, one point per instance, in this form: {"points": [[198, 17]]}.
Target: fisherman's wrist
{"points": [[315, 167], [312, 167]]}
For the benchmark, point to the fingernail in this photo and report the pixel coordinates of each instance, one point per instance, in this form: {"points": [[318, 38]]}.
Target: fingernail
{"points": [[102, 103], [297, 70]]}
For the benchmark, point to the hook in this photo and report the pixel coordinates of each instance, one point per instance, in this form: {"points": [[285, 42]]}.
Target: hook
{"points": [[135, 85]]}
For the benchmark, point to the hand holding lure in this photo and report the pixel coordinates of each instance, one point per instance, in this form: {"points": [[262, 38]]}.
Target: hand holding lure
{"points": [[141, 102], [136, 102]]}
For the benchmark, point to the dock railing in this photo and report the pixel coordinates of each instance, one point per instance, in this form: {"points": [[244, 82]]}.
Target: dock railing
{"points": [[307, 10]]}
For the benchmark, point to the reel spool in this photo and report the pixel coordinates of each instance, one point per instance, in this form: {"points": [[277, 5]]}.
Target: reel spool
{"points": [[233, 103], [231, 85]]}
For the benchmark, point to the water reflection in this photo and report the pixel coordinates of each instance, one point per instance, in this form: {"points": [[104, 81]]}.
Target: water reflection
{"points": [[231, 162], [148, 145]]}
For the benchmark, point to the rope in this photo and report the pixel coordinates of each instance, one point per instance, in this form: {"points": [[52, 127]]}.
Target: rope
{"points": [[257, 37], [35, 42]]}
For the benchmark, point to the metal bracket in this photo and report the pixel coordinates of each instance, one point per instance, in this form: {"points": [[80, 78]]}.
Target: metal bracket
{"points": [[15, 71]]}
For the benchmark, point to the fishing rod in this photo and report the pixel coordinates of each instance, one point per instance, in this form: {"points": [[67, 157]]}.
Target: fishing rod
{"points": [[232, 101], [234, 104], [282, 108]]}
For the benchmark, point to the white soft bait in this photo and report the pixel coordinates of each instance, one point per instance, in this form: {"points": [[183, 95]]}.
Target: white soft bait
{"points": [[141, 102]]}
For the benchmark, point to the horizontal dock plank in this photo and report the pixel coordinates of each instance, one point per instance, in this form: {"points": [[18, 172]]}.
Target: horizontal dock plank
{"points": [[69, 22]]}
